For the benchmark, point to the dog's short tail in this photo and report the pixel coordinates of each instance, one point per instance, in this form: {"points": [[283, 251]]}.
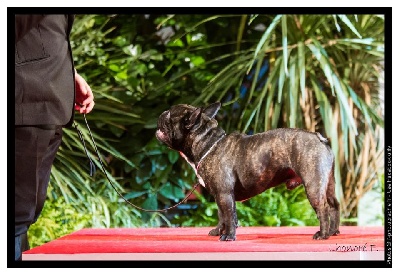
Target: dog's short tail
{"points": [[322, 138]]}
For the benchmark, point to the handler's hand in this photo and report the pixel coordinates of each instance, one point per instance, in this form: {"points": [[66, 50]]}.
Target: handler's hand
{"points": [[84, 100]]}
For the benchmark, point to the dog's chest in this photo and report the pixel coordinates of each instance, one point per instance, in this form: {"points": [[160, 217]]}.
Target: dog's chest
{"points": [[201, 181]]}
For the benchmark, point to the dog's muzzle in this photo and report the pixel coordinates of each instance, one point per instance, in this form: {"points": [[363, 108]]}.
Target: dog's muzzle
{"points": [[161, 135]]}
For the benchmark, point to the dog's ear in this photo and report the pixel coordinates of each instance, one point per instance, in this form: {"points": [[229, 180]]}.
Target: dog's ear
{"points": [[212, 109], [194, 118]]}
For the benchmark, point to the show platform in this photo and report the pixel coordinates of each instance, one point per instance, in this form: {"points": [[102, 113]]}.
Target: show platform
{"points": [[252, 243]]}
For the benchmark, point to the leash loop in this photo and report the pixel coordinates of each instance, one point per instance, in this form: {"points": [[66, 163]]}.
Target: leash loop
{"points": [[93, 169]]}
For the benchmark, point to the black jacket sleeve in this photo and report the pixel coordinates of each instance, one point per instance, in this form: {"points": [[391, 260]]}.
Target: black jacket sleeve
{"points": [[23, 23]]}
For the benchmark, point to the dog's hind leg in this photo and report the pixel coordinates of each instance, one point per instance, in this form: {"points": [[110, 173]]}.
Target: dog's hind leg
{"points": [[322, 210], [315, 184], [334, 207]]}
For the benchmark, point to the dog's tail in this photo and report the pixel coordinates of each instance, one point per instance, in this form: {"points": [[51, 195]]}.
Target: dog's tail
{"points": [[322, 138]]}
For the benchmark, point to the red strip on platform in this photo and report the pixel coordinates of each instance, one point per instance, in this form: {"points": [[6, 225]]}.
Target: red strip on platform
{"points": [[196, 240]]}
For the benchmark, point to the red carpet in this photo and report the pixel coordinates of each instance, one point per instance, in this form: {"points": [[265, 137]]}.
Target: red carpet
{"points": [[354, 243]]}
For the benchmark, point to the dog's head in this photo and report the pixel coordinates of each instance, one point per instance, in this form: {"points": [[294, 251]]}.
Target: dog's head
{"points": [[179, 125]]}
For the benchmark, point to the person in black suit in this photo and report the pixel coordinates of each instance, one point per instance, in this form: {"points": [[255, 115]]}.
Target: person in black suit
{"points": [[47, 91]]}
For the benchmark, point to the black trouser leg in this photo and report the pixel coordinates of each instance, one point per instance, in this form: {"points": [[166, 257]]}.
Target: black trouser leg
{"points": [[35, 150], [21, 245]]}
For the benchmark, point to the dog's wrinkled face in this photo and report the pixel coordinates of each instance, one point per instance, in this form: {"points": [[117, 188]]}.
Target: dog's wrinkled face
{"points": [[171, 125], [175, 124]]}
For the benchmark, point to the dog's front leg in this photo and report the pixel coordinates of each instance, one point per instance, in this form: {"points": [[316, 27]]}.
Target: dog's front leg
{"points": [[227, 217], [218, 230]]}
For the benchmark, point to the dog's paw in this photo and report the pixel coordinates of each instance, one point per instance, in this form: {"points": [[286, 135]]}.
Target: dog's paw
{"points": [[334, 233], [227, 237], [214, 232], [320, 236]]}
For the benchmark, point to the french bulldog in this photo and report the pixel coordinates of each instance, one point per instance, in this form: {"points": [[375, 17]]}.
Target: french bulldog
{"points": [[236, 167]]}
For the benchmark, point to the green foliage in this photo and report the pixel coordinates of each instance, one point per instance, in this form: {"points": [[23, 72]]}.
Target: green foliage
{"points": [[58, 218], [381, 190]]}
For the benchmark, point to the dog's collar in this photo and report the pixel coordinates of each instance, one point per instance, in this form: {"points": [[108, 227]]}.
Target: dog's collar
{"points": [[209, 150], [195, 168], [201, 181]]}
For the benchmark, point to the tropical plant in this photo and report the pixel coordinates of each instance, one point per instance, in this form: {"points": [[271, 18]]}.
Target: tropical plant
{"points": [[58, 218]]}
